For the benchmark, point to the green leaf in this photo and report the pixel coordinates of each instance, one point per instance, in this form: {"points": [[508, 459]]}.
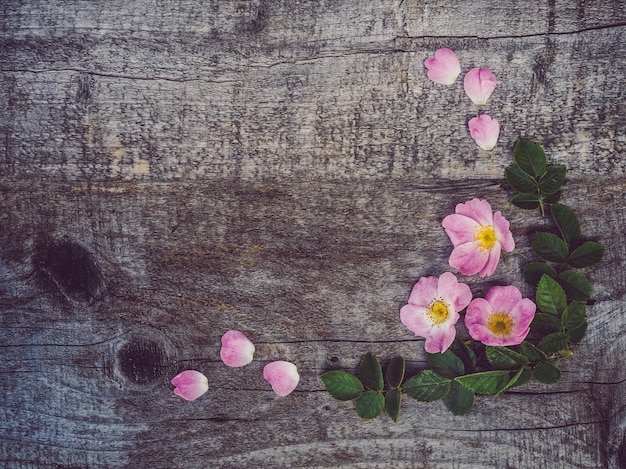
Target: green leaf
{"points": [[519, 180], [567, 221], [549, 246], [574, 314], [550, 296], [370, 404], [393, 400], [576, 335], [588, 254], [533, 271], [524, 377], [553, 343], [551, 198], [446, 364], [531, 352], [503, 358], [486, 382], [512, 380], [395, 372], [545, 323], [466, 354], [428, 386], [526, 201], [576, 285], [530, 157], [342, 385], [553, 179], [546, 373], [371, 373], [459, 400]]}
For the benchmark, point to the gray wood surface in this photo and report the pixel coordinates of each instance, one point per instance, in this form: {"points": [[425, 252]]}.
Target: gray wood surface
{"points": [[170, 170]]}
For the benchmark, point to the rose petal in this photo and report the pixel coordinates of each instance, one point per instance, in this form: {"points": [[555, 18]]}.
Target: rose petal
{"points": [[492, 261], [457, 294], [485, 131], [283, 376], [468, 258], [503, 298], [440, 338], [459, 228], [237, 350], [476, 209], [424, 291], [479, 83], [444, 67], [190, 384], [414, 319], [503, 233]]}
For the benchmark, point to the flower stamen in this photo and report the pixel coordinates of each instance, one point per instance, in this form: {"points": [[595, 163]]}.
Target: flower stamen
{"points": [[438, 312], [485, 237], [500, 324]]}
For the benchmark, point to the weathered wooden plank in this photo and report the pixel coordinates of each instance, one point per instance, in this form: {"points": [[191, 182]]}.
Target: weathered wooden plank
{"points": [[170, 170]]}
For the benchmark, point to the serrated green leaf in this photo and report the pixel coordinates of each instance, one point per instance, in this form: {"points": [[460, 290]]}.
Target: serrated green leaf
{"points": [[553, 179], [550, 296], [574, 315], [459, 400], [446, 364], [466, 354], [371, 373], [567, 222], [526, 201], [531, 352], [342, 385], [533, 271], [526, 376], [393, 400], [553, 343], [551, 198], [428, 386], [575, 285], [369, 405], [576, 335], [503, 358], [486, 382], [519, 180], [549, 246], [545, 323], [530, 157], [546, 373], [586, 255], [395, 372], [513, 377]]}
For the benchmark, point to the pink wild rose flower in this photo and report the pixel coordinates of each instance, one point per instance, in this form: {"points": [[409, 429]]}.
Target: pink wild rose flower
{"points": [[433, 310], [478, 236], [190, 384], [485, 131], [479, 83], [444, 67], [502, 318], [237, 350], [283, 376]]}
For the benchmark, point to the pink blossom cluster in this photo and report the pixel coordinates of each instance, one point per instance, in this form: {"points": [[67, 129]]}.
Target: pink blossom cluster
{"points": [[479, 83], [237, 351], [502, 318]]}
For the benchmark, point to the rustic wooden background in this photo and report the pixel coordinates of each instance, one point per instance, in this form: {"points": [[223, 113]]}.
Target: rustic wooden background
{"points": [[170, 170]]}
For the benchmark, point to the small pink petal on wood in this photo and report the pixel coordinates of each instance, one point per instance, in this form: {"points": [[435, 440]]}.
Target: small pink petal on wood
{"points": [[283, 376], [444, 67], [190, 384], [237, 350], [479, 83], [485, 131]]}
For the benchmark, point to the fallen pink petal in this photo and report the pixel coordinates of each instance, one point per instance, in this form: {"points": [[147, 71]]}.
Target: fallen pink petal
{"points": [[479, 84], [283, 376], [237, 350], [478, 236], [485, 131], [433, 310], [502, 318], [190, 384], [444, 67]]}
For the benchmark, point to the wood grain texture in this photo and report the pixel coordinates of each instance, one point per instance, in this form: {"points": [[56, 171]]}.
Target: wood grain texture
{"points": [[171, 170]]}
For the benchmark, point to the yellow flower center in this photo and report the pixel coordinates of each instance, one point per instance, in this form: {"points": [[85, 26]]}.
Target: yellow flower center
{"points": [[438, 312], [500, 324], [485, 237]]}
